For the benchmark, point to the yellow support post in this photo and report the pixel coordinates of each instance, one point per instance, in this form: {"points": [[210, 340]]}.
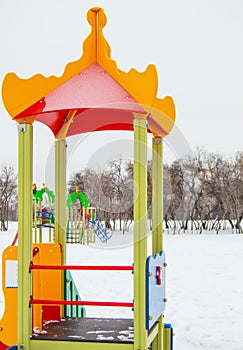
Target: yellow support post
{"points": [[35, 220], [157, 216], [60, 193], [60, 203], [140, 232], [40, 221], [157, 195], [25, 180], [167, 339]]}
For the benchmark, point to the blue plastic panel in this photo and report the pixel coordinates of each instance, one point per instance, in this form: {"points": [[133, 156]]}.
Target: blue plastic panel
{"points": [[155, 288]]}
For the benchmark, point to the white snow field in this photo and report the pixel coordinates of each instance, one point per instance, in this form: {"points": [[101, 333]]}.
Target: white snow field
{"points": [[204, 284]]}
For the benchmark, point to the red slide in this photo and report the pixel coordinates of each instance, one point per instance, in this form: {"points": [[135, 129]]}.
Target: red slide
{"points": [[15, 239]]}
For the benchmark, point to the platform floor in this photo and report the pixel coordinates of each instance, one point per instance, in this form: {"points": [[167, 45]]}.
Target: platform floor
{"points": [[108, 330]]}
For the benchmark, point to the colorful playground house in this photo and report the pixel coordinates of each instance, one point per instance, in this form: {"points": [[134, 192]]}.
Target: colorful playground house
{"points": [[92, 95]]}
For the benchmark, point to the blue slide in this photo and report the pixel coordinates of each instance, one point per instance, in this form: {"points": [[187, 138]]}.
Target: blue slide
{"points": [[101, 232]]}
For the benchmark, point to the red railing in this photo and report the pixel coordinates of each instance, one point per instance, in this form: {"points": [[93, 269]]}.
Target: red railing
{"points": [[81, 302], [73, 267]]}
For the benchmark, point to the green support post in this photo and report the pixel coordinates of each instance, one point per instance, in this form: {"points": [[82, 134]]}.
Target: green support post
{"points": [[60, 204], [167, 338], [157, 195], [60, 193], [157, 216], [25, 179], [140, 232], [35, 220]]}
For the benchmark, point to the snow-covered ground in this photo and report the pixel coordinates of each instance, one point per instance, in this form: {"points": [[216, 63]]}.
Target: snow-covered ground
{"points": [[204, 284]]}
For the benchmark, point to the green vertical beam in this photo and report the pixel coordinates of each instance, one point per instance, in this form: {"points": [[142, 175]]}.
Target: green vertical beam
{"points": [[140, 232], [60, 205], [35, 221], [157, 216], [167, 339], [60, 196], [157, 195], [25, 179]]}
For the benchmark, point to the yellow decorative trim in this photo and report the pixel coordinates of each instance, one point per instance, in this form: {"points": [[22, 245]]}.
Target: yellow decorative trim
{"points": [[163, 113]]}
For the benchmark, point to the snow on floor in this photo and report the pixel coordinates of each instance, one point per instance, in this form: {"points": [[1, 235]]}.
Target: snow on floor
{"points": [[204, 284]]}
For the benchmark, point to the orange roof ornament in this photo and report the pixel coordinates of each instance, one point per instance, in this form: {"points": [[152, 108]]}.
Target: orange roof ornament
{"points": [[92, 94]]}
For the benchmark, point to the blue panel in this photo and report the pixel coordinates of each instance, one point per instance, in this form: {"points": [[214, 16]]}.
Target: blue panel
{"points": [[155, 288]]}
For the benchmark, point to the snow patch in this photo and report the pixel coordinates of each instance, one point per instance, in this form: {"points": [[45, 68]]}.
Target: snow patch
{"points": [[99, 332], [51, 321], [76, 336], [36, 330], [101, 337], [127, 334]]}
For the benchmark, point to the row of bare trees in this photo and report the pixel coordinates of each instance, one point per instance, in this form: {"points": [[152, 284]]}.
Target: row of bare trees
{"points": [[204, 191], [8, 196], [201, 192]]}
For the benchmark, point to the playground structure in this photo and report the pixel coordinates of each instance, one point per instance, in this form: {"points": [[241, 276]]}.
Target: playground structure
{"points": [[43, 212], [79, 217], [83, 224], [91, 95]]}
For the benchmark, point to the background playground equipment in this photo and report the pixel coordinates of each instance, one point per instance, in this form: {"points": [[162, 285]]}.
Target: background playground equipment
{"points": [[127, 101], [100, 230], [43, 212], [82, 224]]}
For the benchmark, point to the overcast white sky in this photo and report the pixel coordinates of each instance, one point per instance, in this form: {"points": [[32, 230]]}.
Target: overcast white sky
{"points": [[196, 46]]}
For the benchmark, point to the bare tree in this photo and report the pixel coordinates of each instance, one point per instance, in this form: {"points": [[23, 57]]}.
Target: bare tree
{"points": [[8, 191], [177, 181], [230, 181]]}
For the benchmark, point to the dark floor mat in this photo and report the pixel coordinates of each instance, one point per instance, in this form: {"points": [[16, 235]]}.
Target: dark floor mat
{"points": [[110, 330]]}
